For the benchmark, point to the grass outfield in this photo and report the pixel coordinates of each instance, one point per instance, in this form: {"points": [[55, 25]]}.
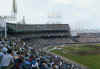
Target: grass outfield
{"points": [[90, 59]]}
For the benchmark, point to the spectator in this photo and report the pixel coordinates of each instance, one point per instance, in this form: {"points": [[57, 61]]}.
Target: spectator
{"points": [[7, 59]]}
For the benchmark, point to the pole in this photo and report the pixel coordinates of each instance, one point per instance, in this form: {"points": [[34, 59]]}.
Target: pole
{"points": [[5, 31], [4, 20]]}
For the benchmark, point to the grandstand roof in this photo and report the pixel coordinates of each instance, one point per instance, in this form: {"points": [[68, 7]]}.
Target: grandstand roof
{"points": [[37, 27]]}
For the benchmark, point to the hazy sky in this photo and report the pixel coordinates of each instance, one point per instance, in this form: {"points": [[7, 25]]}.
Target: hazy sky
{"points": [[80, 14]]}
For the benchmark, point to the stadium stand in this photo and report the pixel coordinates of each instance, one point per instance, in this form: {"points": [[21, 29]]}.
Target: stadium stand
{"points": [[89, 37], [39, 31], [37, 27], [17, 54]]}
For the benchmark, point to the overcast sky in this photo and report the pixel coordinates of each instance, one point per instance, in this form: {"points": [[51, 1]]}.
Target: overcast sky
{"points": [[80, 14]]}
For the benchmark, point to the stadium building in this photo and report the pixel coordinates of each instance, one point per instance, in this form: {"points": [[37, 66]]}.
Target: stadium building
{"points": [[40, 34], [39, 30]]}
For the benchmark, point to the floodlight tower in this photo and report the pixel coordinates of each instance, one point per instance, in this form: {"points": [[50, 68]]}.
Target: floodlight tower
{"points": [[13, 17], [9, 19], [23, 20], [14, 8]]}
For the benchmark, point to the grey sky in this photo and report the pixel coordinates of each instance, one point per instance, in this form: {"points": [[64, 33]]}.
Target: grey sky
{"points": [[80, 14]]}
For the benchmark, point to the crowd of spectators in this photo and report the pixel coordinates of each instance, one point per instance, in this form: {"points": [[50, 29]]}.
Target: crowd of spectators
{"points": [[16, 54], [48, 42]]}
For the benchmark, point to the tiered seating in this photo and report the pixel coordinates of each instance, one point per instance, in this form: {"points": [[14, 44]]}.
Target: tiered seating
{"points": [[41, 43], [25, 56]]}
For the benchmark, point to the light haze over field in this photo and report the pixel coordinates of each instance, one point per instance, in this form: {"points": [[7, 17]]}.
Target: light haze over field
{"points": [[80, 14]]}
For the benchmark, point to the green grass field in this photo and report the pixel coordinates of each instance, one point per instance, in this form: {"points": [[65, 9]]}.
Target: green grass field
{"points": [[76, 53]]}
